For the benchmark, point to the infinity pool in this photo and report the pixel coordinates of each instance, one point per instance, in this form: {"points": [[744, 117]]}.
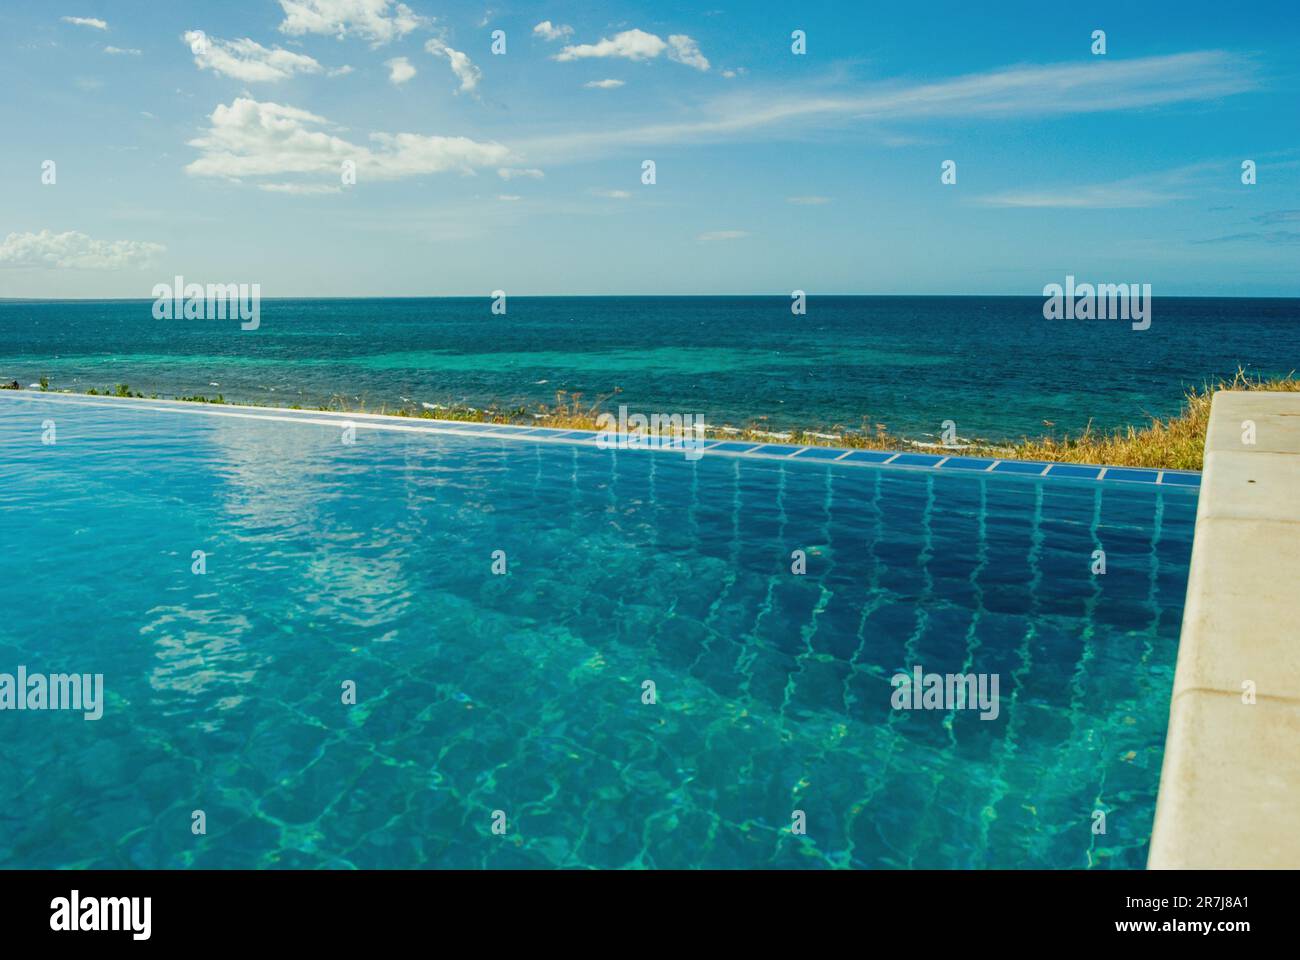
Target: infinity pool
{"points": [[522, 692]]}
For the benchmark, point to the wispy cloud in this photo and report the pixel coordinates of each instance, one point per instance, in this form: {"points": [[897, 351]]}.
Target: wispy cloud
{"points": [[93, 22], [74, 251], [1100, 197], [246, 60], [1278, 216], [1146, 190], [248, 138], [603, 84], [1285, 238], [611, 194], [461, 65], [300, 189], [683, 49], [1034, 91], [120, 52], [514, 173]]}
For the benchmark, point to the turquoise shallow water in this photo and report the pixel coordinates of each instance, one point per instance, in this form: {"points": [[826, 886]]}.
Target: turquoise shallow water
{"points": [[993, 365], [371, 562]]}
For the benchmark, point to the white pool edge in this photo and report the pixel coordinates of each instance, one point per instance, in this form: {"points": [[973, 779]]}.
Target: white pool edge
{"points": [[1230, 783]]}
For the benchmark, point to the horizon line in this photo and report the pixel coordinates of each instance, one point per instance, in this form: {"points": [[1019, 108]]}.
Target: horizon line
{"points": [[656, 296]]}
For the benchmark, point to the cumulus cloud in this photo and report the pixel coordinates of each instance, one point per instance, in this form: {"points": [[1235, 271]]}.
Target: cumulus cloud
{"points": [[603, 84], [461, 65], [379, 21], [246, 59], [248, 138], [685, 50], [630, 45], [549, 31], [399, 70], [639, 45], [74, 251], [93, 22]]}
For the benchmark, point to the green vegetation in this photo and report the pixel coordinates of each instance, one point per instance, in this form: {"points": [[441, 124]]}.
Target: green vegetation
{"points": [[1174, 443]]}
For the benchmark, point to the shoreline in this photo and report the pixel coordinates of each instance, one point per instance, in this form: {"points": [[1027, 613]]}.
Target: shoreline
{"points": [[1174, 443]]}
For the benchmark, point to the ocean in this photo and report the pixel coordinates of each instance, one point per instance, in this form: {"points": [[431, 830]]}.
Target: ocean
{"points": [[992, 365]]}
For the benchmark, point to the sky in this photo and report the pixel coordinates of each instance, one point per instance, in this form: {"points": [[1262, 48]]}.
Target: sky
{"points": [[375, 148]]}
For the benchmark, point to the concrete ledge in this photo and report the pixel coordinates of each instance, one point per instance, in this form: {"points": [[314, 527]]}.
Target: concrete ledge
{"points": [[1230, 786]]}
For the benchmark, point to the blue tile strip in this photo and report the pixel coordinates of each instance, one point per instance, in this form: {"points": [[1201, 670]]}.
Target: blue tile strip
{"points": [[1079, 471], [1185, 479], [967, 463]]}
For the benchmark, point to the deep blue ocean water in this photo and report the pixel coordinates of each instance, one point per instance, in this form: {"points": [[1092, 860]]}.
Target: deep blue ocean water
{"points": [[372, 562], [993, 365]]}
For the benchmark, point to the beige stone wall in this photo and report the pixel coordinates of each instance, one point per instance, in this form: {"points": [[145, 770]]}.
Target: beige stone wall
{"points": [[1230, 786]]}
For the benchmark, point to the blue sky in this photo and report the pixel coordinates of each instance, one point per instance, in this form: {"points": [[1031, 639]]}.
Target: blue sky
{"points": [[522, 171]]}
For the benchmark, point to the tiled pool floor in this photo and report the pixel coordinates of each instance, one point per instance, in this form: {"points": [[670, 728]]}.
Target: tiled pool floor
{"points": [[522, 692]]}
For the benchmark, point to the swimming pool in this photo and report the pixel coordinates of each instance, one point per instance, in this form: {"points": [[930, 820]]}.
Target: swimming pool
{"points": [[522, 692]]}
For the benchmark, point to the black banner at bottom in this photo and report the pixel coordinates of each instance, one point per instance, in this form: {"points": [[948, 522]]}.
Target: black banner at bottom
{"points": [[213, 909]]}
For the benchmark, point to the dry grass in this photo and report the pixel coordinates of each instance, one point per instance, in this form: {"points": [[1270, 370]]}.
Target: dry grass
{"points": [[1175, 443]]}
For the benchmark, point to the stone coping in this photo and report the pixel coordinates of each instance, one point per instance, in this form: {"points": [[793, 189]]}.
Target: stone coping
{"points": [[1230, 786]]}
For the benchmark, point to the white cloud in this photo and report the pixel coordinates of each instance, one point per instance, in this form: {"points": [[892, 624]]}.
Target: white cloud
{"points": [[93, 22], [549, 31], [399, 70], [630, 45], [248, 138], [685, 50], [74, 251], [342, 71], [379, 21], [1023, 91], [511, 173], [808, 201], [723, 235], [509, 197], [300, 189], [639, 45], [468, 74], [246, 59], [603, 84], [1100, 197], [119, 52], [611, 194]]}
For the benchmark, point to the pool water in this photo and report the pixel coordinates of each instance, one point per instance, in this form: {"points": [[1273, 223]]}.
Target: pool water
{"points": [[522, 692]]}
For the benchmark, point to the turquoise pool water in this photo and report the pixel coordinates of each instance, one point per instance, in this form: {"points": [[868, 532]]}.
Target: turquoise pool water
{"points": [[372, 562]]}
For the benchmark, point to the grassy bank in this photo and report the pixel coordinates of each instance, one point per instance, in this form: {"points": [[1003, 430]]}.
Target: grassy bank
{"points": [[1175, 443]]}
